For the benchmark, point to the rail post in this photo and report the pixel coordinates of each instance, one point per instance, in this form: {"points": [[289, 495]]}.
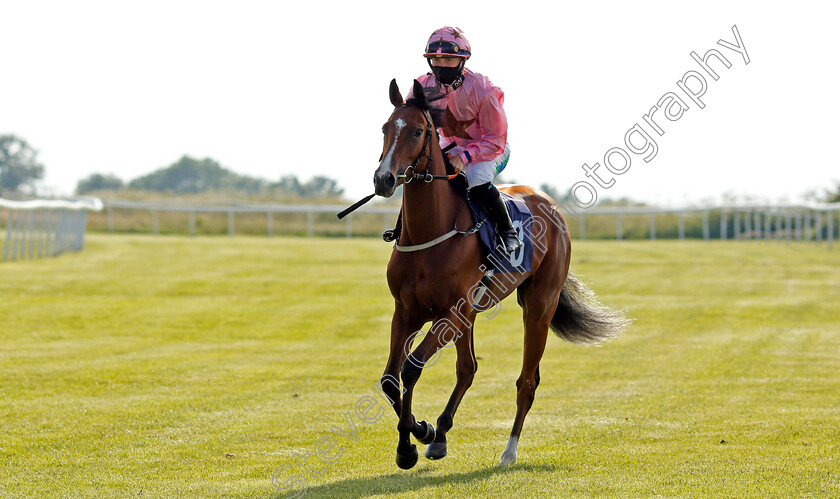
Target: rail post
{"points": [[788, 224], [748, 225], [10, 220], [818, 227], [767, 227]]}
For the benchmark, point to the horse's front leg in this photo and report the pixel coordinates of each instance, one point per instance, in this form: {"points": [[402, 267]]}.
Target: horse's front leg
{"points": [[443, 331], [466, 366], [403, 327]]}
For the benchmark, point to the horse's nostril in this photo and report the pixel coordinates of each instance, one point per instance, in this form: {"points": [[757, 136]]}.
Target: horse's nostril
{"points": [[389, 182], [386, 180]]}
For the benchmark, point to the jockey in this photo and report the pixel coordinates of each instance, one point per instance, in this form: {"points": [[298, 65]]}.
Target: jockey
{"points": [[474, 131]]}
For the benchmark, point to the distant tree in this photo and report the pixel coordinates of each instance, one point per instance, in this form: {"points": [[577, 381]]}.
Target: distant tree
{"points": [[192, 176], [833, 197], [99, 182], [290, 185], [322, 187], [243, 183], [18, 164], [187, 175], [317, 187]]}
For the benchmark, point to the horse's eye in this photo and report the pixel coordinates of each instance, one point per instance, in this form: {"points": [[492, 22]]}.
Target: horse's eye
{"points": [[419, 132]]}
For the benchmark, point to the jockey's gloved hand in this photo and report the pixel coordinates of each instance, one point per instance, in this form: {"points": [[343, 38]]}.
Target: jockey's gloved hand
{"points": [[457, 164]]}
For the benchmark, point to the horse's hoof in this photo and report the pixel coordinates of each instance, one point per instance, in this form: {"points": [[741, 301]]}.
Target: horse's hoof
{"points": [[507, 458], [436, 450], [408, 460], [429, 437]]}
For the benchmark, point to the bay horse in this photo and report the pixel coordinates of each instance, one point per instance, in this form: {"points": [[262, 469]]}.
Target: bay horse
{"points": [[433, 275]]}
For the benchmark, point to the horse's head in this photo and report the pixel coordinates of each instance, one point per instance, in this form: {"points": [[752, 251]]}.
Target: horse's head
{"points": [[407, 133]]}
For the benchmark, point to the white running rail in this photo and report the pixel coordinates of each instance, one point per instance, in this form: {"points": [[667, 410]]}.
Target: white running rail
{"points": [[801, 222], [42, 228]]}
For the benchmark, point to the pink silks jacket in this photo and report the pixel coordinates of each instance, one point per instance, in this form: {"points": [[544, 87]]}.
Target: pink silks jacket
{"points": [[474, 118]]}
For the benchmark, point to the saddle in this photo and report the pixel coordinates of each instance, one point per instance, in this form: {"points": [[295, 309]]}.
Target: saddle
{"points": [[520, 215]]}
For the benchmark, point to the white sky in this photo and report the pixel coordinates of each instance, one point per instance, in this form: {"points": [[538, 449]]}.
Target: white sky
{"points": [[269, 89]]}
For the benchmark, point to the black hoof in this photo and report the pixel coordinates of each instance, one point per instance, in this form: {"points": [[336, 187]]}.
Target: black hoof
{"points": [[408, 460], [429, 436], [436, 450]]}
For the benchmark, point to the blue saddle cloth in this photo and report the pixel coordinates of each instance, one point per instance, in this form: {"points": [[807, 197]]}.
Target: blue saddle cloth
{"points": [[520, 261]]}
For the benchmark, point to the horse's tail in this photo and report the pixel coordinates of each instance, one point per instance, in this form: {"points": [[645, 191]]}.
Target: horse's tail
{"points": [[579, 317]]}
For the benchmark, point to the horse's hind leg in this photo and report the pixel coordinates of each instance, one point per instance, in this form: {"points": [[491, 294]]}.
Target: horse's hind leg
{"points": [[538, 305], [465, 371]]}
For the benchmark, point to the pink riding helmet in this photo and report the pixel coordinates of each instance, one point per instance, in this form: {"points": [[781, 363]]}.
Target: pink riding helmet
{"points": [[449, 42]]}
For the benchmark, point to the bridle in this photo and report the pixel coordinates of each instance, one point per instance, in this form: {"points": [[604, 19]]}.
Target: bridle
{"points": [[425, 153], [428, 178], [424, 175]]}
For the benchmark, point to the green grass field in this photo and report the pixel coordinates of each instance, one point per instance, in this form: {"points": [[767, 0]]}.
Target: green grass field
{"points": [[176, 367]]}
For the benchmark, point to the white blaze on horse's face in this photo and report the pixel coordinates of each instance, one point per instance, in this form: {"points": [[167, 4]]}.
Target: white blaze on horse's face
{"points": [[384, 179], [386, 162]]}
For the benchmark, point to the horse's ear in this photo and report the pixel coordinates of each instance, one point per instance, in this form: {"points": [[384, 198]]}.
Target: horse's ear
{"points": [[419, 93], [394, 94]]}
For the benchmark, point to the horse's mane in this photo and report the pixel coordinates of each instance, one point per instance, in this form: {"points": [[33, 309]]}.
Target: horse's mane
{"points": [[436, 113]]}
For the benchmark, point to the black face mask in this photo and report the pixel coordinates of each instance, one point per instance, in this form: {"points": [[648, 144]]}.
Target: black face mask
{"points": [[445, 75]]}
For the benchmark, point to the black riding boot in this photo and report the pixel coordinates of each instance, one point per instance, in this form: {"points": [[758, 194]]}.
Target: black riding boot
{"points": [[488, 196], [393, 234]]}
